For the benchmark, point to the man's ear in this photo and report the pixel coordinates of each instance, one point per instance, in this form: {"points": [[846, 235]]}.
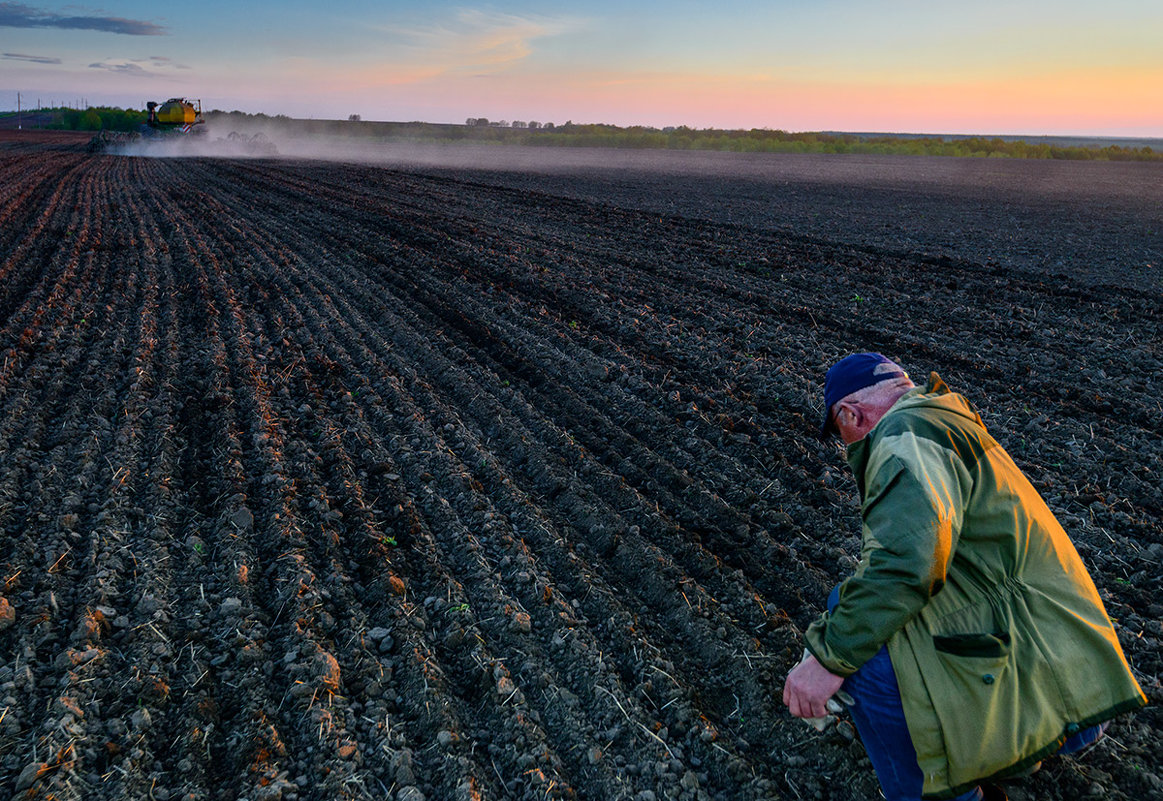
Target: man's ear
{"points": [[853, 412]]}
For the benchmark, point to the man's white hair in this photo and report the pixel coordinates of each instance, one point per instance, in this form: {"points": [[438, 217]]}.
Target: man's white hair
{"points": [[882, 393], [889, 367]]}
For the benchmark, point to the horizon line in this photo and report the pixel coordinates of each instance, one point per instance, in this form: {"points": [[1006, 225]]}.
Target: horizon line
{"points": [[665, 128]]}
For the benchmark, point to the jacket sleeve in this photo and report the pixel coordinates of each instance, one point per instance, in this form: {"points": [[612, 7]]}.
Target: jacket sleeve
{"points": [[913, 503]]}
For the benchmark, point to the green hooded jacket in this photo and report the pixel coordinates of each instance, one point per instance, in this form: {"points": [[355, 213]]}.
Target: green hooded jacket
{"points": [[1000, 643]]}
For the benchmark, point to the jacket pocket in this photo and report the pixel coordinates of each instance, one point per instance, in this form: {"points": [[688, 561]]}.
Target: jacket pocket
{"points": [[986, 646], [978, 692]]}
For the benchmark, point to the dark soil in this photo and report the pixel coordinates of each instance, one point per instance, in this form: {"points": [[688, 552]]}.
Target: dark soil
{"points": [[335, 481]]}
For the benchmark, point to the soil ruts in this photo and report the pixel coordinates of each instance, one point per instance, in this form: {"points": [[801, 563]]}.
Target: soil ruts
{"points": [[328, 481]]}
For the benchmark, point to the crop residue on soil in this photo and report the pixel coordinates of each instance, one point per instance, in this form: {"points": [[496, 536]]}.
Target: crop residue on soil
{"points": [[330, 481]]}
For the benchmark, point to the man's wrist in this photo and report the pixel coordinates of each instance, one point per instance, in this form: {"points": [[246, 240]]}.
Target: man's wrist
{"points": [[836, 669]]}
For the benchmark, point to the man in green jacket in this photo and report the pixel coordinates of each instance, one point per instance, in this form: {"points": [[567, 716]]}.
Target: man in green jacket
{"points": [[971, 637]]}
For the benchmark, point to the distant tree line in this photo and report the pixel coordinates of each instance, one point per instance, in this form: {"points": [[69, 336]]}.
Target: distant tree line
{"points": [[94, 118], [485, 122]]}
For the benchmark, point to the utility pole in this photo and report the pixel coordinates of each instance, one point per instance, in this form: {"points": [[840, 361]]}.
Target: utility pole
{"points": [[19, 126]]}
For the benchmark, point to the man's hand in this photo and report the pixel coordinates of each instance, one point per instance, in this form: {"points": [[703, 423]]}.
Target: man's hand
{"points": [[808, 688]]}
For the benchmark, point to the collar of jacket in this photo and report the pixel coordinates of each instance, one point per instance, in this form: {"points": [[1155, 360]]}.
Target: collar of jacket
{"points": [[858, 452]]}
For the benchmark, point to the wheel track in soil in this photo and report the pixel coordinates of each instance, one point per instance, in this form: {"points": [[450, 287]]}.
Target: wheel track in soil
{"points": [[69, 570], [552, 462]]}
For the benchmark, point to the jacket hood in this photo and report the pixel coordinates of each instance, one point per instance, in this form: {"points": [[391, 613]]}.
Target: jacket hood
{"points": [[935, 394]]}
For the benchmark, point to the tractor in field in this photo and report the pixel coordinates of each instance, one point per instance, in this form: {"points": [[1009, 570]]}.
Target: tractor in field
{"points": [[179, 121], [176, 116]]}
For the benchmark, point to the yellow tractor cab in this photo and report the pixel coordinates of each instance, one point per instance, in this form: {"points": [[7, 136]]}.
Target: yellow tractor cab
{"points": [[175, 113]]}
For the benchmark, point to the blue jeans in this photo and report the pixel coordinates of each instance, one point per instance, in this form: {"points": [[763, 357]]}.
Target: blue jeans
{"points": [[880, 720]]}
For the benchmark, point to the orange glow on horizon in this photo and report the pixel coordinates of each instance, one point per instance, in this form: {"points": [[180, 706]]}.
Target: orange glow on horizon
{"points": [[1077, 99], [1091, 100]]}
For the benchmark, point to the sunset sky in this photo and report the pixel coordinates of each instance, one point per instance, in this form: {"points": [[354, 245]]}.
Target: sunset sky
{"points": [[987, 66]]}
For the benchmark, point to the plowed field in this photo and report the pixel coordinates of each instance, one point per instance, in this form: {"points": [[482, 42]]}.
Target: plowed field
{"points": [[327, 481]]}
